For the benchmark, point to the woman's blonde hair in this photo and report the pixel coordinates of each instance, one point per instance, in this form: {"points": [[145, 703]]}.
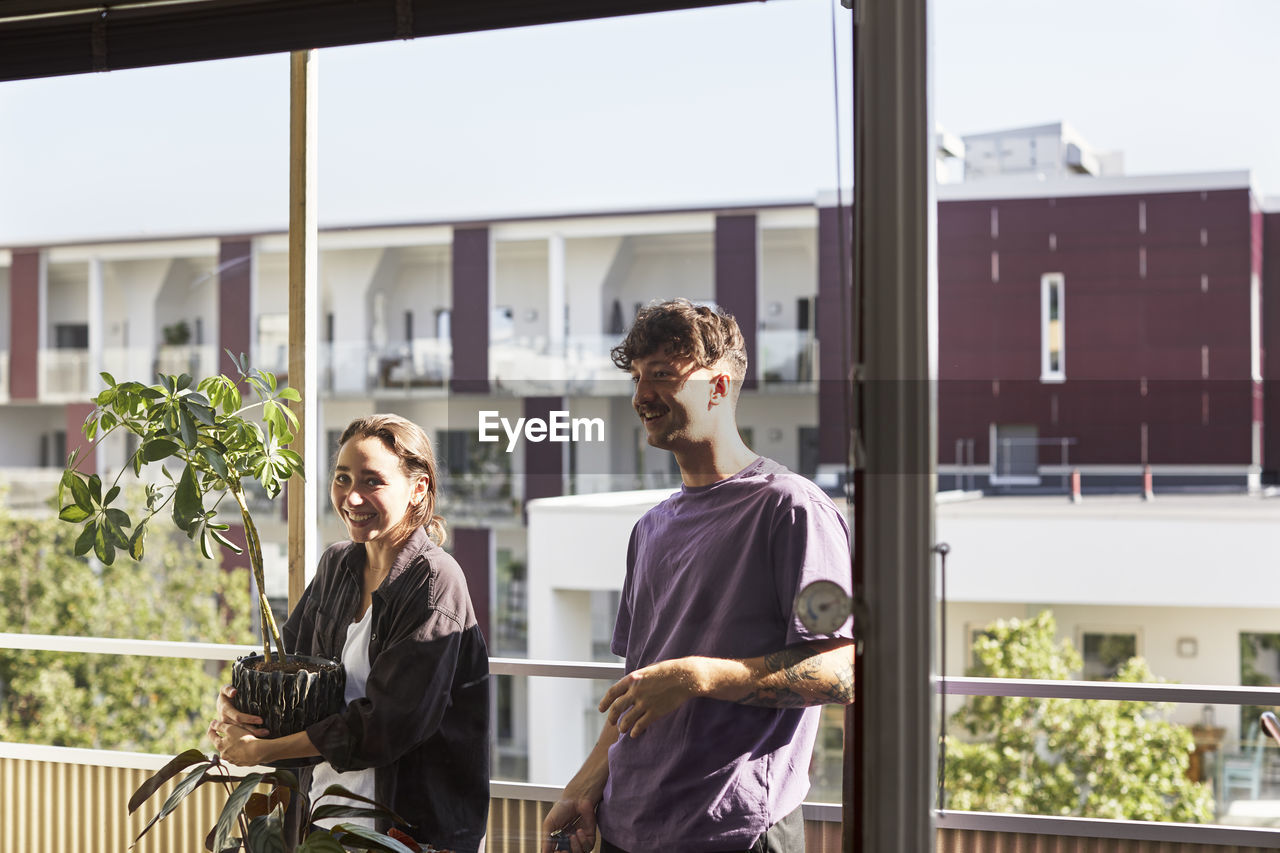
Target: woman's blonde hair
{"points": [[406, 440]]}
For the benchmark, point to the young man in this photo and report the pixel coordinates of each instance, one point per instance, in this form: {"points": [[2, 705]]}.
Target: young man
{"points": [[707, 740]]}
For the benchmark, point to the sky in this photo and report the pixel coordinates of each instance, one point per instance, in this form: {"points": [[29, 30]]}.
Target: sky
{"points": [[715, 106]]}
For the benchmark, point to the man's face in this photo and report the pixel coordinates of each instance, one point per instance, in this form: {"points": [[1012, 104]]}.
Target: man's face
{"points": [[673, 397]]}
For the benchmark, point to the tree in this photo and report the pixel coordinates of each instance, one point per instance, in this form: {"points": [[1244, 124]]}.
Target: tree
{"points": [[1087, 758], [143, 704]]}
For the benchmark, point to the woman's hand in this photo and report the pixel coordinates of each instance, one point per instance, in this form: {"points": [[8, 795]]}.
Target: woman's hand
{"points": [[236, 744], [229, 716]]}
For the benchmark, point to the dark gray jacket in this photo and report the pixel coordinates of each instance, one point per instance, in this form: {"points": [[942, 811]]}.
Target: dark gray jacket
{"points": [[424, 722]]}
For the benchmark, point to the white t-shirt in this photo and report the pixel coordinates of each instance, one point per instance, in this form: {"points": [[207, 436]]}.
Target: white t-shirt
{"points": [[355, 658]]}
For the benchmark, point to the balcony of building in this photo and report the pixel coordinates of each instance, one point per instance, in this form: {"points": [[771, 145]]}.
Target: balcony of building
{"points": [[63, 798]]}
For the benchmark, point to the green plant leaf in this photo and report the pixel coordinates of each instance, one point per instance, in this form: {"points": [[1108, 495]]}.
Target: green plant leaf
{"points": [[332, 810], [321, 841], [340, 791], [231, 810], [266, 833], [117, 522], [84, 542], [260, 804], [104, 545], [187, 427], [369, 838], [95, 488], [187, 507], [290, 394], [224, 541], [137, 544], [73, 513], [158, 448], [118, 517], [80, 493], [112, 493], [175, 766], [193, 780], [216, 461]]}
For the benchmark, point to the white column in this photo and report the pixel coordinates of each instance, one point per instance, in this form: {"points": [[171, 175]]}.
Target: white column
{"points": [[96, 321], [556, 295], [97, 331]]}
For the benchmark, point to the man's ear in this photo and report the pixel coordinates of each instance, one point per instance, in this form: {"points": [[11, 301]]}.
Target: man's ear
{"points": [[721, 388]]}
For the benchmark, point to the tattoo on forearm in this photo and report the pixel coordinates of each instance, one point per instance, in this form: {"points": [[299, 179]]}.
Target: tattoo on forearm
{"points": [[801, 676]]}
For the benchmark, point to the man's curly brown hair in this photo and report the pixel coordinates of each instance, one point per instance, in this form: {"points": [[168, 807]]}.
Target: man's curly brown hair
{"points": [[683, 329]]}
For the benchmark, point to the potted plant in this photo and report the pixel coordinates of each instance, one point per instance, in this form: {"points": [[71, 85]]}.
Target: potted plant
{"points": [[209, 447], [259, 817]]}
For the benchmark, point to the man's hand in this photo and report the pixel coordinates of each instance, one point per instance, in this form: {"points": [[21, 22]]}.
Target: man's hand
{"points": [[641, 698], [576, 820]]}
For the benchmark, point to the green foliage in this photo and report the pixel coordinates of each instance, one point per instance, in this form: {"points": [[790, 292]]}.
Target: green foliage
{"points": [[205, 433], [1253, 644], [1088, 758], [109, 701], [259, 817]]}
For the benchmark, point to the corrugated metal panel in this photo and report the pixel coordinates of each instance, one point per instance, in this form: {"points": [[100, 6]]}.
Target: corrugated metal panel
{"points": [[973, 841], [58, 806]]}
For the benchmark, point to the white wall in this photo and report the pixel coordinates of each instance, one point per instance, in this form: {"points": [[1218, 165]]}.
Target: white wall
{"points": [[68, 295], [788, 271], [575, 545], [661, 267], [520, 283], [22, 427]]}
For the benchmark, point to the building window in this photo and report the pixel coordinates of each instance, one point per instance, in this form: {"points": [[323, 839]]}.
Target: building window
{"points": [[1104, 652], [1053, 366]]}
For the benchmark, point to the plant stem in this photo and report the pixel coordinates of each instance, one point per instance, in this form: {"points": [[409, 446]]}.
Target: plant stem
{"points": [[270, 632]]}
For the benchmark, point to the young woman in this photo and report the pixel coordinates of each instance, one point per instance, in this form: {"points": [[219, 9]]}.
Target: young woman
{"points": [[394, 607]]}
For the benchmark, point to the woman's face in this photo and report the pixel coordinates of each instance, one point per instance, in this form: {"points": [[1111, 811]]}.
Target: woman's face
{"points": [[371, 491]]}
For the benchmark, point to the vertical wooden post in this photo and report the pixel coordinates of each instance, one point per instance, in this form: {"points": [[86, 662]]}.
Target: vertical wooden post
{"points": [[304, 315]]}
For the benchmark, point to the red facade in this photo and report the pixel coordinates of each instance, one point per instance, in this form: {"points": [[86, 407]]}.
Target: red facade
{"points": [[1157, 326]]}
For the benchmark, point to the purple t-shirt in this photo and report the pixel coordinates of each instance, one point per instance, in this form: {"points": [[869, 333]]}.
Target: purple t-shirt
{"points": [[714, 571]]}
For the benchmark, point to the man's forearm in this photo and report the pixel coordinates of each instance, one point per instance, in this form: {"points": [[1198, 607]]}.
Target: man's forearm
{"points": [[588, 783], [796, 677]]}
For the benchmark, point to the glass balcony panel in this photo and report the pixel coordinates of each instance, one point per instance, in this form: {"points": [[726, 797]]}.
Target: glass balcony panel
{"points": [[195, 360], [65, 373], [787, 356]]}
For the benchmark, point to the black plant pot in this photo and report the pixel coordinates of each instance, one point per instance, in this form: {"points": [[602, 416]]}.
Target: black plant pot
{"points": [[288, 702]]}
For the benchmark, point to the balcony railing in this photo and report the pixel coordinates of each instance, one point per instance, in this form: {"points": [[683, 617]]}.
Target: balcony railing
{"points": [[77, 806], [787, 357], [64, 374]]}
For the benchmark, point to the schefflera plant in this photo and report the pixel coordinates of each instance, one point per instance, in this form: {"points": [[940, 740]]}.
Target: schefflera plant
{"points": [[208, 444]]}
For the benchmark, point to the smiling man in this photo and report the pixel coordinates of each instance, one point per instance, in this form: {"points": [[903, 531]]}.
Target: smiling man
{"points": [[707, 739]]}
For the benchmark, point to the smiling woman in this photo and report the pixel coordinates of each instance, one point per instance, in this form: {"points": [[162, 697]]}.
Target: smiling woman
{"points": [[394, 607]]}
